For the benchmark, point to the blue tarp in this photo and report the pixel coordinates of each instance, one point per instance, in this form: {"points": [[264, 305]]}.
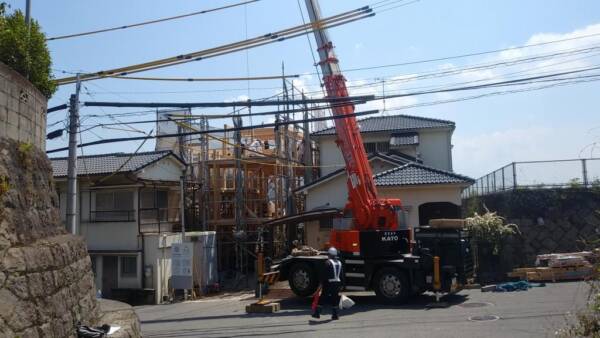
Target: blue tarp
{"points": [[517, 286]]}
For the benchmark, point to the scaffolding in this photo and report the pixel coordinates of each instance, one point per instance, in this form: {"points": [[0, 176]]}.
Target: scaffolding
{"points": [[238, 180]]}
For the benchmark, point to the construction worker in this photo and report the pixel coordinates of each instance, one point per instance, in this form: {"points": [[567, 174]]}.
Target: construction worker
{"points": [[331, 284]]}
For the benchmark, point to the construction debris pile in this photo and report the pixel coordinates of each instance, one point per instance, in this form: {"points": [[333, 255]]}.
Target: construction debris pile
{"points": [[559, 267]]}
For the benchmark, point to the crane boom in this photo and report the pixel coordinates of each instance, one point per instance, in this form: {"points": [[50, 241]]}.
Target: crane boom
{"points": [[369, 212]]}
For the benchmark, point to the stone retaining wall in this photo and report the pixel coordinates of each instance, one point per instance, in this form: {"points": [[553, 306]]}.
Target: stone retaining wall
{"points": [[46, 283], [550, 220]]}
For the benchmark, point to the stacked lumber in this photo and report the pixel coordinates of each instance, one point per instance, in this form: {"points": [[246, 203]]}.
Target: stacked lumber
{"points": [[305, 251], [557, 267], [447, 223]]}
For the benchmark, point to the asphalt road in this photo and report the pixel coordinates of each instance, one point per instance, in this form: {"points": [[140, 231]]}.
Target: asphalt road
{"points": [[538, 312]]}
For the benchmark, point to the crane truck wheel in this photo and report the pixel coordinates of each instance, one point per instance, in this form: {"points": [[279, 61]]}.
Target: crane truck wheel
{"points": [[391, 285], [303, 279]]}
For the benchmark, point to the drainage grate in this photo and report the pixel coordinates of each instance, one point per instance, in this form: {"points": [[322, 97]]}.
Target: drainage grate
{"points": [[485, 318], [474, 304]]}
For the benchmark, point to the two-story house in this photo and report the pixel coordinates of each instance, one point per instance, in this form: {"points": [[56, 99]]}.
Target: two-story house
{"points": [[411, 159], [128, 213]]}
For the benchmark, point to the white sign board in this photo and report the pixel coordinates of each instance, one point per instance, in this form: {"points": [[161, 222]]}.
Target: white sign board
{"points": [[181, 265]]}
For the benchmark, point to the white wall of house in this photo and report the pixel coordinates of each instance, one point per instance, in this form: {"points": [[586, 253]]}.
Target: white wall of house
{"points": [[435, 148], [412, 197], [157, 250], [102, 235], [329, 154], [167, 169], [333, 194], [335, 191]]}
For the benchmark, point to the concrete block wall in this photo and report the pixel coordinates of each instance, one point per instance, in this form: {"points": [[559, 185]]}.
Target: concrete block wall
{"points": [[22, 109]]}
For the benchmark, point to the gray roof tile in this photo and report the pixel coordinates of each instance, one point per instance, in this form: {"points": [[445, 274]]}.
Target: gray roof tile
{"points": [[416, 173], [406, 173], [393, 123], [108, 163]]}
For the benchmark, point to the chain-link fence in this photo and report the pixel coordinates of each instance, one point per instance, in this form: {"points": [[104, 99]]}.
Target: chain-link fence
{"points": [[577, 173]]}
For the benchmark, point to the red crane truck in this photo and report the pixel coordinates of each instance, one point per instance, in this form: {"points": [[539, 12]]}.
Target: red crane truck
{"points": [[375, 245]]}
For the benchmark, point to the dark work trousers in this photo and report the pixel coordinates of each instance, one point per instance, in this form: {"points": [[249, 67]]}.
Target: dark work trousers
{"points": [[331, 295]]}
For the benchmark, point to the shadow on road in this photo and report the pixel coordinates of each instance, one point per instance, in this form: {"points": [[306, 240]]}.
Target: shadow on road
{"points": [[296, 307]]}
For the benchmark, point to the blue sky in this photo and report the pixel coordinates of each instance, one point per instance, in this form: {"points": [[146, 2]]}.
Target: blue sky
{"points": [[554, 123]]}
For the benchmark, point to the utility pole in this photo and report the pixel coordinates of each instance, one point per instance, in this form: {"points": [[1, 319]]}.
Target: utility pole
{"points": [[28, 15], [72, 162], [287, 147], [308, 155], [182, 205], [204, 172], [240, 205], [239, 179]]}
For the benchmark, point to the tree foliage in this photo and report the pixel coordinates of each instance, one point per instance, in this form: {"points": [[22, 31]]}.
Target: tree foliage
{"points": [[25, 50]]}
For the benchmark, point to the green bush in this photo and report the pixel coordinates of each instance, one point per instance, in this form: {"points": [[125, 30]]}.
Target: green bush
{"points": [[490, 228], [28, 55]]}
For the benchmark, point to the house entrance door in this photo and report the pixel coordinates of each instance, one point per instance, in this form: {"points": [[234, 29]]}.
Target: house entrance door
{"points": [[109, 275], [433, 210]]}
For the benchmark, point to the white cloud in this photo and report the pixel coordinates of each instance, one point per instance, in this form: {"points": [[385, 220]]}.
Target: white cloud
{"points": [[479, 154]]}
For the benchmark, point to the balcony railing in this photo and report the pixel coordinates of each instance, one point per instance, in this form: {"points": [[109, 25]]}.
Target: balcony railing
{"points": [[112, 216], [156, 220]]}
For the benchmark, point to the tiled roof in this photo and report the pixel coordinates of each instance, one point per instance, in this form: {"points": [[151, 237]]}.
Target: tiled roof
{"points": [[406, 173], [109, 163], [416, 173], [393, 123]]}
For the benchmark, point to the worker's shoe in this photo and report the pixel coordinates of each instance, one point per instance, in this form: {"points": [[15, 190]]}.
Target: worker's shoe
{"points": [[334, 314], [317, 313]]}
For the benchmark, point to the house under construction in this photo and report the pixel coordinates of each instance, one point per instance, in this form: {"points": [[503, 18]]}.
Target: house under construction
{"points": [[239, 179]]}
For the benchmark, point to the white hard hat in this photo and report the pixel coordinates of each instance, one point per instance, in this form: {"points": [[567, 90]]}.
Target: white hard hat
{"points": [[332, 252]]}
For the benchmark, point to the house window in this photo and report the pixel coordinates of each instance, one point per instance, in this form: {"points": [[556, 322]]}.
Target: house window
{"points": [[404, 139], [325, 223], [377, 147], [129, 266], [154, 205], [114, 206]]}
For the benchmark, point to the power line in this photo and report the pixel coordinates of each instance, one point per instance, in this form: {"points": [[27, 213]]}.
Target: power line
{"points": [[60, 37], [415, 77], [267, 125], [206, 79], [445, 58], [497, 93], [596, 78], [221, 116], [488, 85], [530, 80], [289, 33], [347, 100]]}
